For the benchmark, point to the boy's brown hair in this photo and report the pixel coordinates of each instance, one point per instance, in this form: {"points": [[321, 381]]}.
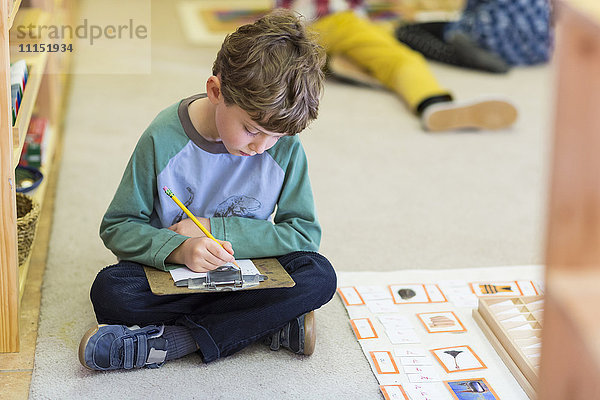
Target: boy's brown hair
{"points": [[273, 70]]}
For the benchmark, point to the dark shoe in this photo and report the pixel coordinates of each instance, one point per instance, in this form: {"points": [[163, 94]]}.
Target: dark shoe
{"points": [[108, 347], [490, 114], [298, 336], [470, 55], [459, 50]]}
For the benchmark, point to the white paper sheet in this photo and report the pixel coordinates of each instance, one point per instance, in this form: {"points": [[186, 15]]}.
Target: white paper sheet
{"points": [[427, 391], [395, 321], [374, 292], [183, 273], [415, 352], [403, 336], [382, 306]]}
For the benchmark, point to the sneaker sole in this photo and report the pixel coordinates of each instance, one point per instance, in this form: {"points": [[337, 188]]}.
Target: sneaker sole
{"points": [[310, 333], [489, 114], [83, 344]]}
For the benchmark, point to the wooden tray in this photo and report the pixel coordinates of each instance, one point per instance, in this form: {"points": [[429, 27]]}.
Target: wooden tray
{"points": [[516, 325]]}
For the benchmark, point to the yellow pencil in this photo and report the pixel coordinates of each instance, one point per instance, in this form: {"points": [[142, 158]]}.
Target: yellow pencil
{"points": [[193, 218]]}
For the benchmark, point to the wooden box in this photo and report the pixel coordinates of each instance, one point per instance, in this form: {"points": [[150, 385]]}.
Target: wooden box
{"points": [[513, 325]]}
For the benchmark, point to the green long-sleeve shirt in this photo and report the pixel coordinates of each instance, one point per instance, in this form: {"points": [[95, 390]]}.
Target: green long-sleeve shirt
{"points": [[262, 204]]}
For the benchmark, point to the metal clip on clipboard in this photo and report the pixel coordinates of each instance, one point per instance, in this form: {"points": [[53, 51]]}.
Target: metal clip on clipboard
{"points": [[224, 278]]}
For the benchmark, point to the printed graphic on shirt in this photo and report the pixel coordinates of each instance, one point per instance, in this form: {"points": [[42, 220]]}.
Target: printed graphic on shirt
{"points": [[219, 185], [238, 206]]}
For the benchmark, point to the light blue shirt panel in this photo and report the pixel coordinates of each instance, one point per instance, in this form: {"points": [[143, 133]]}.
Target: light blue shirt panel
{"points": [[218, 185]]}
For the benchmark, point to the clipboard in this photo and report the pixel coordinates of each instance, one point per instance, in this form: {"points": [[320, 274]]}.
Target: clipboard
{"points": [[161, 282]]}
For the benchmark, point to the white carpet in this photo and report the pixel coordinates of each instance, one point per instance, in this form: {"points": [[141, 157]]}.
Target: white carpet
{"points": [[390, 197]]}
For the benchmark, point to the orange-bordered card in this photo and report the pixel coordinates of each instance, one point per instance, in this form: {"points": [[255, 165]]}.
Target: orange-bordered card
{"points": [[393, 392], [409, 293], [458, 359], [350, 296], [435, 293], [461, 388], [496, 289], [528, 288], [384, 362], [441, 321], [363, 328]]}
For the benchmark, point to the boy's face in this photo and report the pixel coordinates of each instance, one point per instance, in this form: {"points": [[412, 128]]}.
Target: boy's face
{"points": [[240, 134]]}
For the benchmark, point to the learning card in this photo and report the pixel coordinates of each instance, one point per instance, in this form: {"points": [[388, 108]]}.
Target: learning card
{"points": [[435, 294], [350, 296], [404, 352], [471, 389], [444, 321], [373, 292], [420, 378], [458, 359], [496, 289], [528, 288], [458, 292], [384, 362], [415, 361], [381, 306], [409, 294], [395, 321], [419, 369], [403, 336], [363, 328], [427, 391], [393, 392]]}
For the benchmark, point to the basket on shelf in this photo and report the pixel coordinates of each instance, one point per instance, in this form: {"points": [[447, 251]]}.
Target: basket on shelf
{"points": [[28, 212]]}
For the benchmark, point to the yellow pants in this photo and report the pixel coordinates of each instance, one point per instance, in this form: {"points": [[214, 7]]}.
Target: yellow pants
{"points": [[395, 65]]}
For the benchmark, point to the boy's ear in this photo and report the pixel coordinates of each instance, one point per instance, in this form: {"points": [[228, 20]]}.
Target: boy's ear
{"points": [[213, 89]]}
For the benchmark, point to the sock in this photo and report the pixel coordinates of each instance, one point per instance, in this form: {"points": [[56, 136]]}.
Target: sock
{"points": [[180, 341], [432, 100]]}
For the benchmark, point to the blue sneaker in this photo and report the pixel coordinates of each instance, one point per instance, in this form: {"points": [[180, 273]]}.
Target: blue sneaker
{"points": [[299, 335], [108, 347]]}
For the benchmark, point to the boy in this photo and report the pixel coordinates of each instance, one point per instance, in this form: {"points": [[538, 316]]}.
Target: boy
{"points": [[232, 157], [343, 32]]}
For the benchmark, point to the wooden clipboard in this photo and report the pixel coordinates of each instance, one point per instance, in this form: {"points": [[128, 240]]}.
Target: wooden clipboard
{"points": [[161, 282]]}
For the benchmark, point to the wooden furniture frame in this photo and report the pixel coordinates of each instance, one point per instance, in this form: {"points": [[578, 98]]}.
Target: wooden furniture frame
{"points": [[570, 366], [44, 92]]}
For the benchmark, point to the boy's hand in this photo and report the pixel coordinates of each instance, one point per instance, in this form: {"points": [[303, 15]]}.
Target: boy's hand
{"points": [[202, 254], [187, 227]]}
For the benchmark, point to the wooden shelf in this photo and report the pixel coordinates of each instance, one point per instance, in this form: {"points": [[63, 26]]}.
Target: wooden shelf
{"points": [[43, 95], [26, 17], [38, 195], [13, 13], [36, 65], [571, 346], [576, 304]]}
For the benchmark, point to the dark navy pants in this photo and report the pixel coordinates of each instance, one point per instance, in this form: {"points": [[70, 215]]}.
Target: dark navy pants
{"points": [[221, 323]]}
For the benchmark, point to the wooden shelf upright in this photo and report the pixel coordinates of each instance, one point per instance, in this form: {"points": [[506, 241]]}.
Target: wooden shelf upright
{"points": [[570, 367], [9, 292], [43, 94]]}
